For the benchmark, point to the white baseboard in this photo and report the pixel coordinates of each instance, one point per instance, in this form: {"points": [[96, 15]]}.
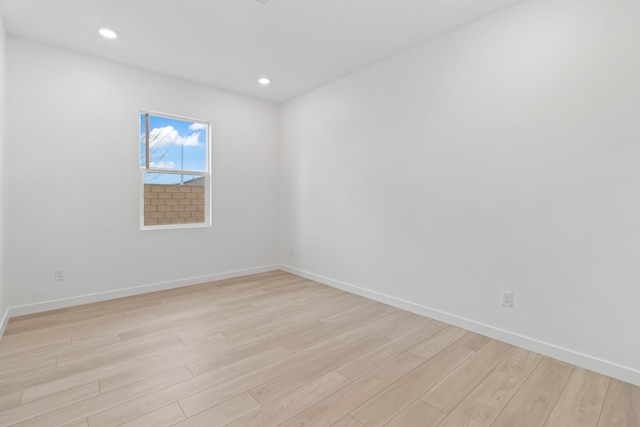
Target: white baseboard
{"points": [[604, 367], [103, 296], [4, 321]]}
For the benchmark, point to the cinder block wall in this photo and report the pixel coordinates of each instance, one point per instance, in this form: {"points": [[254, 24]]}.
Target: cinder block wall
{"points": [[173, 204]]}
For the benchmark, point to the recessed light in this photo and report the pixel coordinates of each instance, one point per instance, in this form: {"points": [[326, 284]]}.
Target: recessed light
{"points": [[107, 33], [264, 81]]}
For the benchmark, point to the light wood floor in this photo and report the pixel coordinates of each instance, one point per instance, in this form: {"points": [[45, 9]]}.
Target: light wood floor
{"points": [[275, 349]]}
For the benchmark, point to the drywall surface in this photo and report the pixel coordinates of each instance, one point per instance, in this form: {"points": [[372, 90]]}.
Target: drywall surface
{"points": [[3, 139], [502, 156], [72, 179]]}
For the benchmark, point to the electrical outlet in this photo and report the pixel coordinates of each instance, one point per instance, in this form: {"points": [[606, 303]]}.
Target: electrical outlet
{"points": [[58, 274], [507, 298], [291, 251]]}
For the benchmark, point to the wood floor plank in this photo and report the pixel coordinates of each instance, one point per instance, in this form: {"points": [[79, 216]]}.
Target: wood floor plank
{"points": [[79, 423], [347, 421], [363, 309], [379, 355], [174, 360], [212, 387], [581, 401], [621, 406], [163, 417], [260, 322], [99, 326], [433, 345], [534, 401], [47, 320], [485, 402], [453, 388], [473, 341], [171, 325], [10, 351], [285, 407], [120, 350], [81, 344], [131, 370], [111, 416], [193, 402], [393, 400], [141, 316], [339, 404], [223, 413], [11, 400], [418, 414], [296, 326], [33, 409], [520, 363], [229, 356], [277, 387], [398, 329], [17, 369], [88, 407], [336, 328], [352, 333], [38, 386]]}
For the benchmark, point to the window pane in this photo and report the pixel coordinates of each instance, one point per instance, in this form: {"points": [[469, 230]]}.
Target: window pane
{"points": [[166, 201], [174, 144]]}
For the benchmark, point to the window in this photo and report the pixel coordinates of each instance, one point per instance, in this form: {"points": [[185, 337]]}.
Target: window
{"points": [[174, 172]]}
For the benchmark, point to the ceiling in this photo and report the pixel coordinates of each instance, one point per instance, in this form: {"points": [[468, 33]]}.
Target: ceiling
{"points": [[298, 44]]}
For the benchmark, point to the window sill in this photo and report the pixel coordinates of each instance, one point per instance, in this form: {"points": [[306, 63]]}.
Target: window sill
{"points": [[173, 226]]}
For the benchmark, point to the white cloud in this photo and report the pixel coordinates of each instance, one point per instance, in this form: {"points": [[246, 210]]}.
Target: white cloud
{"points": [[168, 135], [191, 140], [162, 136], [197, 126], [163, 165]]}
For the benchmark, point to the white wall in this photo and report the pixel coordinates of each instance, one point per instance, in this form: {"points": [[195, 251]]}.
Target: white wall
{"points": [[73, 127], [3, 102], [503, 155]]}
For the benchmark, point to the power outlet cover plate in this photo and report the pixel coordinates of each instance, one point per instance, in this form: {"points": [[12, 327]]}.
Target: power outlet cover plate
{"points": [[507, 298]]}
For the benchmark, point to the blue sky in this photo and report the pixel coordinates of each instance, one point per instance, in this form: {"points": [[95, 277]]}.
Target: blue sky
{"points": [[174, 144]]}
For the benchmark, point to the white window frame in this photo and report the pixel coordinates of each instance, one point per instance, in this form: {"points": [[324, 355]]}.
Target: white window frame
{"points": [[206, 174]]}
